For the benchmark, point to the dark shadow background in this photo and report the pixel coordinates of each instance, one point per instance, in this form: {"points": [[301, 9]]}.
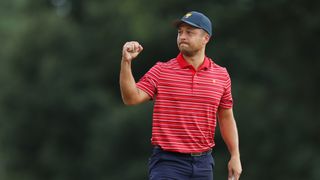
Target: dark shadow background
{"points": [[61, 114]]}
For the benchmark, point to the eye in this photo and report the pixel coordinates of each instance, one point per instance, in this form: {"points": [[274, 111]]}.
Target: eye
{"points": [[189, 32]]}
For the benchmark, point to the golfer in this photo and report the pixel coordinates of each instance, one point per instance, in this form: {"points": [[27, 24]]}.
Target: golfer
{"points": [[190, 93]]}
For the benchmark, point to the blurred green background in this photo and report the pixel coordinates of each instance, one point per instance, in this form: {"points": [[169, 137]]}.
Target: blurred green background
{"points": [[61, 114]]}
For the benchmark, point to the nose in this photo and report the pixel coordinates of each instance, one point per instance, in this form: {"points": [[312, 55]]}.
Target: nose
{"points": [[181, 36]]}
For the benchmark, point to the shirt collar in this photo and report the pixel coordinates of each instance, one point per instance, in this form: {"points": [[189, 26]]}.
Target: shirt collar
{"points": [[184, 64]]}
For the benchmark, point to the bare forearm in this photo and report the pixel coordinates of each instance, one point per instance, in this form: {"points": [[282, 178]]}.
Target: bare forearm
{"points": [[131, 95], [229, 134], [127, 83], [229, 131]]}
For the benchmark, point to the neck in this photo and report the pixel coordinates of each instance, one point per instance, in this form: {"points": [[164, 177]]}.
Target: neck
{"points": [[195, 60]]}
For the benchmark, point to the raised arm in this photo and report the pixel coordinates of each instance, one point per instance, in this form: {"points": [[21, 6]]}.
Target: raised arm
{"points": [[229, 134], [131, 95]]}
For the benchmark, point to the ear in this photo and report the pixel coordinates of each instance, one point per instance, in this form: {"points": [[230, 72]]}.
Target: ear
{"points": [[207, 38]]}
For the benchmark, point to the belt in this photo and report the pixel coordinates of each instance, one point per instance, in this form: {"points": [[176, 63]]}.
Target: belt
{"points": [[201, 153], [187, 154]]}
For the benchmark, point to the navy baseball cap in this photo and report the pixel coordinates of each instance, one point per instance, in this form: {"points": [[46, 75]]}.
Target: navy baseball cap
{"points": [[196, 19]]}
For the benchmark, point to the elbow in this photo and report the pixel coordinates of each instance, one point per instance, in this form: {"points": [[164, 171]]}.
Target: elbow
{"points": [[133, 98], [129, 102]]}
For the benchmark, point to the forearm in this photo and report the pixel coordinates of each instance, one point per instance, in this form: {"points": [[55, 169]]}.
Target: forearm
{"points": [[127, 83], [230, 137], [229, 133]]}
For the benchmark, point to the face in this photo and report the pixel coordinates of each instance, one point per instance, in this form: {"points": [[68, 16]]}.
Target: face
{"points": [[191, 40]]}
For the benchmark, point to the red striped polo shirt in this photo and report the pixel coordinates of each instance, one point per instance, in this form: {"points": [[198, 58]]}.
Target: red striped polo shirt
{"points": [[186, 102]]}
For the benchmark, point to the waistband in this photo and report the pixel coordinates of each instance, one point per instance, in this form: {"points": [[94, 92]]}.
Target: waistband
{"points": [[186, 154]]}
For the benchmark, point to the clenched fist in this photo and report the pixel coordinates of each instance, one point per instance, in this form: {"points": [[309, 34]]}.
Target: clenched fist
{"points": [[131, 50]]}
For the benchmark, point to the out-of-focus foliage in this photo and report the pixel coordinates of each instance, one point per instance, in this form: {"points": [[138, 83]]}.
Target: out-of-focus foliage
{"points": [[61, 115]]}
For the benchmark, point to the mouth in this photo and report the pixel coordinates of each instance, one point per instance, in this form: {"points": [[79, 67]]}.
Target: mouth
{"points": [[183, 43]]}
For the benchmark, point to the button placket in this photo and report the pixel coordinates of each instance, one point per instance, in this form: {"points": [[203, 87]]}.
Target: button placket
{"points": [[194, 82]]}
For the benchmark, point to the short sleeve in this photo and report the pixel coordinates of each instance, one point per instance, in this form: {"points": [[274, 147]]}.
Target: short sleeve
{"points": [[226, 101], [149, 82]]}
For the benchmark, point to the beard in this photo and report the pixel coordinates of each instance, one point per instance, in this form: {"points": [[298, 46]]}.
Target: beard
{"points": [[187, 51]]}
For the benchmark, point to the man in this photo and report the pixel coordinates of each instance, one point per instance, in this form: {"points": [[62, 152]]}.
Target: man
{"points": [[190, 92]]}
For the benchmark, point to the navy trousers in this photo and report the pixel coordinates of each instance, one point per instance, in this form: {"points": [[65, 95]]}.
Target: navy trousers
{"points": [[165, 165]]}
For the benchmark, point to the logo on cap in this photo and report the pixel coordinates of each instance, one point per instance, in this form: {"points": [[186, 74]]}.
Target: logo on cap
{"points": [[188, 15]]}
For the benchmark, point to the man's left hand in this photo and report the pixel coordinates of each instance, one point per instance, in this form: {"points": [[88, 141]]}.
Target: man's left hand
{"points": [[234, 168]]}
